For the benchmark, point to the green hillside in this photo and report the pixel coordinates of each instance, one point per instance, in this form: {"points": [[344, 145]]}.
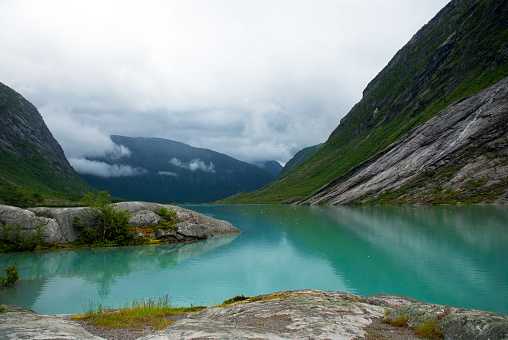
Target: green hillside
{"points": [[33, 167], [461, 51]]}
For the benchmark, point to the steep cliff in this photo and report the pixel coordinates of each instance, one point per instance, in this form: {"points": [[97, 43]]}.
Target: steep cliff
{"points": [[459, 156], [31, 160], [460, 52]]}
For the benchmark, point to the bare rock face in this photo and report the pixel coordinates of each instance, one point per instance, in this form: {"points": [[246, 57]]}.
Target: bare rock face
{"points": [[144, 218], [62, 219], [58, 223], [467, 143]]}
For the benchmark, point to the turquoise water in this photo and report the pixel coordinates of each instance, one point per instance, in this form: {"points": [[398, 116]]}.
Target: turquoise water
{"points": [[447, 255]]}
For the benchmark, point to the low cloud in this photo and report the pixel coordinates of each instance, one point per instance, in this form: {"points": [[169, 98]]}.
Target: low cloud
{"points": [[167, 173], [101, 169], [195, 164]]}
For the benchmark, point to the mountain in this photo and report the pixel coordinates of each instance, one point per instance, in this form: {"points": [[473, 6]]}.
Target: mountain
{"points": [[462, 51], [300, 157], [272, 167], [32, 163], [162, 170]]}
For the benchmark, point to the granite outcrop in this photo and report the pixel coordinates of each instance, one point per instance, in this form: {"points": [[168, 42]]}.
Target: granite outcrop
{"points": [[57, 224], [299, 314]]}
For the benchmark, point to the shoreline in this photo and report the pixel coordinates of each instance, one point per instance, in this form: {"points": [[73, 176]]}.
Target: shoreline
{"points": [[296, 314]]}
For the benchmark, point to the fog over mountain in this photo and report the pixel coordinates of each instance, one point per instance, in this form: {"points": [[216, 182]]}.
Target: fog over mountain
{"points": [[257, 80]]}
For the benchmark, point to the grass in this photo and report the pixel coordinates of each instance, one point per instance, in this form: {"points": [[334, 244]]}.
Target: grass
{"points": [[234, 299], [399, 321], [428, 330], [136, 315]]}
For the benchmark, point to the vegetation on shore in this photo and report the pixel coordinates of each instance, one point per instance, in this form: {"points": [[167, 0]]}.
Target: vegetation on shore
{"points": [[11, 276], [136, 315]]}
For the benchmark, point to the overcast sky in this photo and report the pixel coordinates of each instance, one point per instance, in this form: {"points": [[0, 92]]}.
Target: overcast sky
{"points": [[254, 79]]}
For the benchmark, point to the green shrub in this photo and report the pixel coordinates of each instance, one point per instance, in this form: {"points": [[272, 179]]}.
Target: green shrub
{"points": [[14, 240], [12, 276], [168, 218], [110, 228], [234, 299]]}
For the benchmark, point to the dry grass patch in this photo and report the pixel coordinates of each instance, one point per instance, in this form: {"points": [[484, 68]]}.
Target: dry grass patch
{"points": [[137, 315]]}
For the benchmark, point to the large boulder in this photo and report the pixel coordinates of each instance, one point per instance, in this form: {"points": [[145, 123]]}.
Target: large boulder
{"points": [[63, 229], [29, 223]]}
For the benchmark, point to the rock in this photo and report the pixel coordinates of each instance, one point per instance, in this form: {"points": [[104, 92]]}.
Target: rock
{"points": [[161, 233], [299, 314], [144, 218], [453, 322], [189, 229], [28, 221], [64, 230], [455, 141], [58, 223], [23, 323], [139, 234]]}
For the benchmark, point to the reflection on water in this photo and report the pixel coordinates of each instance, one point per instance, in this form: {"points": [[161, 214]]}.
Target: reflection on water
{"points": [[446, 255]]}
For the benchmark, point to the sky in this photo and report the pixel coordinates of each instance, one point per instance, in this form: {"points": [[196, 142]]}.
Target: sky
{"points": [[254, 79]]}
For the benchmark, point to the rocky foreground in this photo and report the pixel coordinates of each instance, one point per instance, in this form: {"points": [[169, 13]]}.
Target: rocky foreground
{"points": [[302, 314]]}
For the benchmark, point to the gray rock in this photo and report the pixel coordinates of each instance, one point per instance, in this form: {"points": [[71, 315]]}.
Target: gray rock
{"points": [[299, 314], [456, 136], [139, 234], [454, 323], [189, 229], [161, 234], [58, 223], [63, 229], [23, 323], [144, 218]]}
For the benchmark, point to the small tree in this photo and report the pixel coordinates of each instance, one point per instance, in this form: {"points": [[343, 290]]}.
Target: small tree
{"points": [[111, 226], [12, 276]]}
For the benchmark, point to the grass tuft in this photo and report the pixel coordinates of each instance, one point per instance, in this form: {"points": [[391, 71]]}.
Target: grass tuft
{"points": [[234, 299], [400, 321], [428, 330], [137, 315]]}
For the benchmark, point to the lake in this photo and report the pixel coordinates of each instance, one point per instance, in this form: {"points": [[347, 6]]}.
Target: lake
{"points": [[447, 255]]}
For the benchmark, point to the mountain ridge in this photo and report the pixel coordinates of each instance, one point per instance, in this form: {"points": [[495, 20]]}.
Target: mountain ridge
{"points": [[32, 162], [169, 171], [460, 52]]}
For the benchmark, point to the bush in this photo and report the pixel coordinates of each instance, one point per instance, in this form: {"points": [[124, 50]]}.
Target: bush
{"points": [[168, 218], [111, 227], [13, 239], [12, 276]]}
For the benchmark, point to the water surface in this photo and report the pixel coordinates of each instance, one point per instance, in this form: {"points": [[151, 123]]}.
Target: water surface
{"points": [[447, 255]]}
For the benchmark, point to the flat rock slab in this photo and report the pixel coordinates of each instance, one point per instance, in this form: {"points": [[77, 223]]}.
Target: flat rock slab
{"points": [[23, 323], [300, 314]]}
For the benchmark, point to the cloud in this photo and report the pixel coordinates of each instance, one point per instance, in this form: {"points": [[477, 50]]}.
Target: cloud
{"points": [[195, 164], [101, 169], [167, 173], [252, 78]]}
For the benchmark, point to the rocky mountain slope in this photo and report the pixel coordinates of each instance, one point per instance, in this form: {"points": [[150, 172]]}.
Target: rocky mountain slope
{"points": [[31, 160], [459, 156], [460, 52], [169, 171]]}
